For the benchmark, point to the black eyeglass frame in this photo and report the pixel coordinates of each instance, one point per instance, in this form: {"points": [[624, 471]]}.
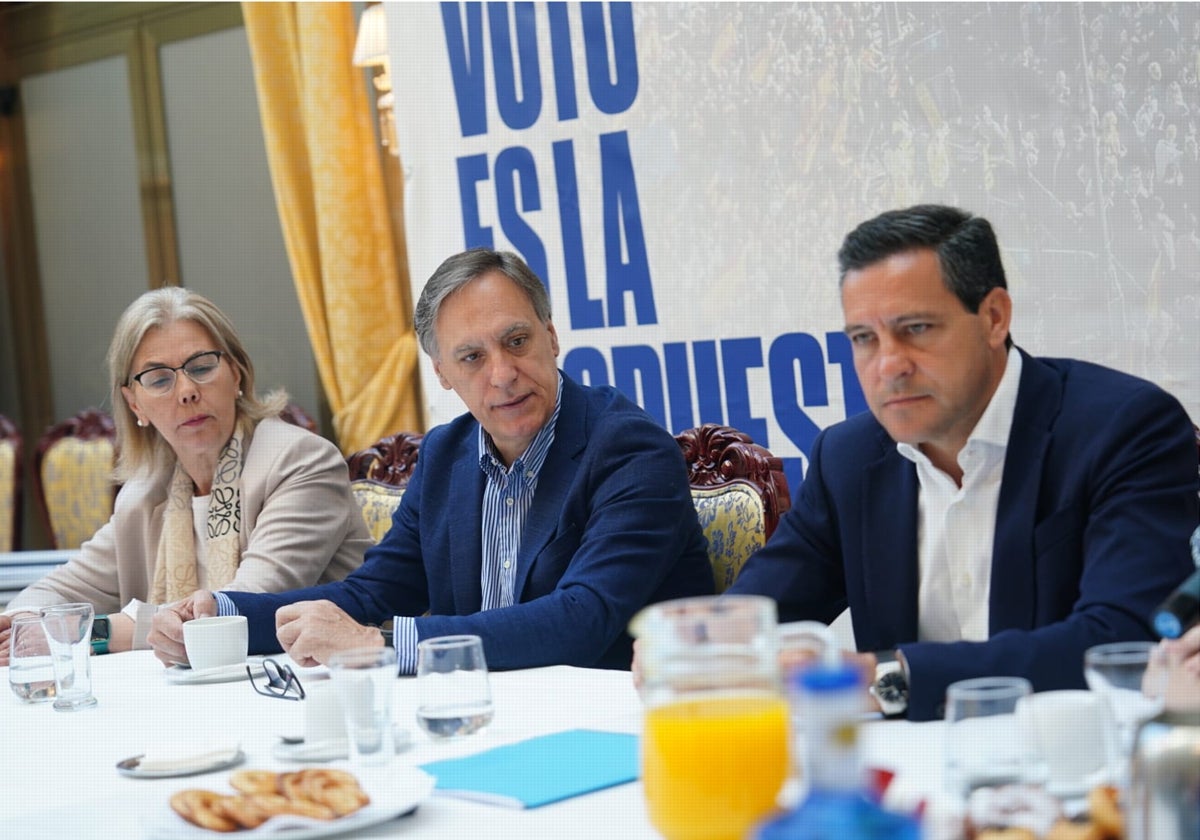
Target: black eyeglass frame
{"points": [[220, 354], [280, 683]]}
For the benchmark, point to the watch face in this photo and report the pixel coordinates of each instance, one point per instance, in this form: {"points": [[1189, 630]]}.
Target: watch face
{"points": [[892, 688], [101, 628]]}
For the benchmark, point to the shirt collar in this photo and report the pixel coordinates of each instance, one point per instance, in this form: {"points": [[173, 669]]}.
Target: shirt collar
{"points": [[533, 457], [996, 422]]}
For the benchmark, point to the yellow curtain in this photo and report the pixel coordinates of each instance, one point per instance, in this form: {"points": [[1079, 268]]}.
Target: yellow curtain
{"points": [[333, 208]]}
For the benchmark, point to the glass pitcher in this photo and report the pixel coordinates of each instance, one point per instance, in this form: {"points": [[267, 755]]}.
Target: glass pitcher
{"points": [[715, 740]]}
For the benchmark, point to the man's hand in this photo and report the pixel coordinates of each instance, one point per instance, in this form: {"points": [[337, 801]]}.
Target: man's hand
{"points": [[312, 631], [6, 631], [166, 629]]}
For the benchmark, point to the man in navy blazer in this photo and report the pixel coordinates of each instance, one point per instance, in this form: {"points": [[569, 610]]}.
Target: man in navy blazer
{"points": [[541, 521], [994, 513]]}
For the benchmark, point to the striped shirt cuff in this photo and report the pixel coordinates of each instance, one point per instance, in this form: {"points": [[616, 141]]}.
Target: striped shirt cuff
{"points": [[404, 636], [225, 605]]}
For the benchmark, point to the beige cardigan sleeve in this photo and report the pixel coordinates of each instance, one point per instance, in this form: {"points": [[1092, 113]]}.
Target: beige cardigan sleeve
{"points": [[300, 526]]}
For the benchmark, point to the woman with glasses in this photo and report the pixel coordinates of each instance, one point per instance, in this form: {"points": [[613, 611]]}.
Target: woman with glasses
{"points": [[218, 492]]}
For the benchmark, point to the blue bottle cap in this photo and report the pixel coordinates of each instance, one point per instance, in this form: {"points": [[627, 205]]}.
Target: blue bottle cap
{"points": [[825, 678]]}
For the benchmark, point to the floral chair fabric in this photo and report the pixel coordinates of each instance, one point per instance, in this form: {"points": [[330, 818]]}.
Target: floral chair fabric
{"points": [[10, 485], [739, 490], [377, 501], [378, 476], [733, 519], [73, 476]]}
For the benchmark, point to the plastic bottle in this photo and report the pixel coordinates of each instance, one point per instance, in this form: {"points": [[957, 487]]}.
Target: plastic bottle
{"points": [[836, 807]]}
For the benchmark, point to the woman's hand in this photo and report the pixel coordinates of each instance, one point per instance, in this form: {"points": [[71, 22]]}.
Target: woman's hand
{"points": [[166, 630], [6, 630]]}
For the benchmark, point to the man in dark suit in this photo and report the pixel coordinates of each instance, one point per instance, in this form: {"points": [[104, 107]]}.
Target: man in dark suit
{"points": [[541, 521], [993, 513]]}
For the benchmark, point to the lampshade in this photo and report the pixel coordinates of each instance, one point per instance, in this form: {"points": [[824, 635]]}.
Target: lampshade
{"points": [[371, 47]]}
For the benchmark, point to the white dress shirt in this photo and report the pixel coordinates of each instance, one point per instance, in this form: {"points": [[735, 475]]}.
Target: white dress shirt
{"points": [[956, 526]]}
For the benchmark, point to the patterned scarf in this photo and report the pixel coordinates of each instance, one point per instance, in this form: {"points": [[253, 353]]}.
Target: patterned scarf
{"points": [[175, 574]]}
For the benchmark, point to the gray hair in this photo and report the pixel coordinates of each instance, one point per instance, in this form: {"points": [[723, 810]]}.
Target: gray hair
{"points": [[142, 450], [458, 271]]}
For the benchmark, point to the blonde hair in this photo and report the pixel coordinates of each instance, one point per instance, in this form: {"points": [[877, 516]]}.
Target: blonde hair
{"points": [[142, 450]]}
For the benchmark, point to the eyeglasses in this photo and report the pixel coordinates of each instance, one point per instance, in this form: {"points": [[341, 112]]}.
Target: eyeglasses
{"points": [[281, 681], [160, 380]]}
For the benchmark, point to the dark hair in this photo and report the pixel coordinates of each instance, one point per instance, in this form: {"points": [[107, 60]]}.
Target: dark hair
{"points": [[459, 270], [965, 245]]}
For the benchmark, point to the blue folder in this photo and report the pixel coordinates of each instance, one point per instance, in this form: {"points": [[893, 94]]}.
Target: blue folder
{"points": [[541, 770]]}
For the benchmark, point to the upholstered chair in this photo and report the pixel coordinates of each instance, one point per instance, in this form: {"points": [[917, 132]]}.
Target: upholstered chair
{"points": [[10, 485], [739, 490], [73, 466], [378, 476]]}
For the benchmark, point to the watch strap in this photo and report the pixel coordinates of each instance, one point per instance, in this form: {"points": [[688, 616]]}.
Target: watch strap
{"points": [[101, 630]]}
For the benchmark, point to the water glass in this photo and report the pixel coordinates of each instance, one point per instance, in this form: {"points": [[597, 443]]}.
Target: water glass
{"points": [[365, 679], [986, 742], [69, 631], [715, 751], [452, 685], [1134, 694], [30, 670]]}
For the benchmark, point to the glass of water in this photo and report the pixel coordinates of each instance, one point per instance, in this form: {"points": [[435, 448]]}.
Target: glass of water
{"points": [[69, 631], [454, 697], [986, 745], [30, 671], [365, 679], [1118, 672]]}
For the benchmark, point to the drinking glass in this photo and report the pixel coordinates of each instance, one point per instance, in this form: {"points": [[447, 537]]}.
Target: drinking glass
{"points": [[452, 685], [69, 630], [986, 743], [365, 679], [1118, 672], [715, 740], [30, 671]]}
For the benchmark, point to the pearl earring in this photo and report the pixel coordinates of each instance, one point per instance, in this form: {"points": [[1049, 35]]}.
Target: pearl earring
{"points": [[141, 423], [239, 393]]}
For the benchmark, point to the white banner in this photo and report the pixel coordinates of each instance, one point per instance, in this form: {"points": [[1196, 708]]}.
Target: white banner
{"points": [[681, 176]]}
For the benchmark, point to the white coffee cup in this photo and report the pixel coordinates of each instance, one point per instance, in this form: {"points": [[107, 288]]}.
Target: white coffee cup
{"points": [[1069, 727], [216, 641], [323, 716]]}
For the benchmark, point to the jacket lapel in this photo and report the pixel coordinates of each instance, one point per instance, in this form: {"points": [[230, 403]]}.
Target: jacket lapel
{"points": [[466, 548], [1012, 601], [889, 544], [554, 480]]}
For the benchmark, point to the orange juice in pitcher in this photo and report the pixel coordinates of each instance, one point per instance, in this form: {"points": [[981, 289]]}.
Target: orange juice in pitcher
{"points": [[712, 768], [715, 740]]}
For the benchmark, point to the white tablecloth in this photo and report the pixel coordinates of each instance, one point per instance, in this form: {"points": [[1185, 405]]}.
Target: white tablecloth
{"points": [[60, 778]]}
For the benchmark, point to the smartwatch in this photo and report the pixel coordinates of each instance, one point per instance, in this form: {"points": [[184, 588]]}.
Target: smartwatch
{"points": [[890, 688], [101, 630]]}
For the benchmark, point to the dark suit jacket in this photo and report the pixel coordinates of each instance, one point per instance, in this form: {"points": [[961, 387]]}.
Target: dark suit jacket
{"points": [[1096, 504], [611, 529]]}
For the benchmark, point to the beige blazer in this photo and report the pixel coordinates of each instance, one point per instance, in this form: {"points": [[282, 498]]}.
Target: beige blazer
{"points": [[300, 526]]}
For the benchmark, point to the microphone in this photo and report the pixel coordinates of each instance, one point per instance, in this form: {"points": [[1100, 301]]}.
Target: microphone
{"points": [[1181, 610]]}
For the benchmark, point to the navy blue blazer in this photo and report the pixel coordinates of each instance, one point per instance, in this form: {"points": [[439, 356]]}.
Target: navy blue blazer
{"points": [[612, 528], [1097, 500]]}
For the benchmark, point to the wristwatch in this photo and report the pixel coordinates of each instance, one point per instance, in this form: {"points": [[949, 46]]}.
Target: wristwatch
{"points": [[101, 630], [890, 688]]}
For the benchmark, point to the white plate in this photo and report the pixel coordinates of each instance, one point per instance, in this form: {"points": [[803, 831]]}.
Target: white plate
{"points": [[129, 767], [394, 790], [179, 675]]}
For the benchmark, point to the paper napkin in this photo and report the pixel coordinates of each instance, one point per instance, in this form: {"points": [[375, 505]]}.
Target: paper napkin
{"points": [[168, 758], [540, 770]]}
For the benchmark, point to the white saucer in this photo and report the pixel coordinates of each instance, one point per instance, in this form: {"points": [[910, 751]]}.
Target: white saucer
{"points": [[130, 766], [317, 751], [182, 675]]}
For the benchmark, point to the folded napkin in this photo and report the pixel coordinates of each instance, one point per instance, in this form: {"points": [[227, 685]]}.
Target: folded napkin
{"points": [[538, 771], [179, 757]]}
